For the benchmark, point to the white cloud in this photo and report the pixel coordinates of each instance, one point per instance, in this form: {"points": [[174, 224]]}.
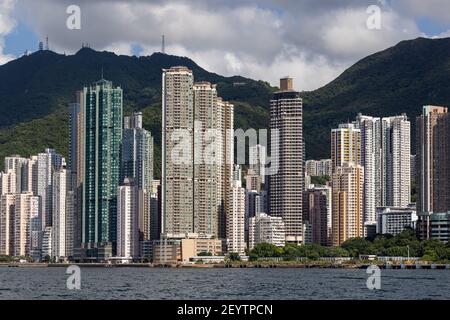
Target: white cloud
{"points": [[7, 24], [313, 41]]}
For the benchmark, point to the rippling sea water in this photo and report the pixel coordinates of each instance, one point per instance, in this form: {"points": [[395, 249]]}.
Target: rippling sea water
{"points": [[196, 284]]}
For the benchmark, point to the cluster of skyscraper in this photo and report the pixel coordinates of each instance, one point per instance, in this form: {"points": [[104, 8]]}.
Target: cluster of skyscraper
{"points": [[105, 203]]}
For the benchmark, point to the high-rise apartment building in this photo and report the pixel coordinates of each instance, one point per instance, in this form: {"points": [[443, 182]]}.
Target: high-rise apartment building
{"points": [[128, 211], [317, 213], [8, 183], [317, 168], [286, 184], [137, 166], [345, 145], [257, 161], [26, 205], [396, 165], [197, 155], [385, 154], [433, 160], [266, 229], [63, 215], [47, 163], [347, 202], [7, 211], [177, 167], [16, 164], [372, 160], [137, 152], [236, 219], [101, 138]]}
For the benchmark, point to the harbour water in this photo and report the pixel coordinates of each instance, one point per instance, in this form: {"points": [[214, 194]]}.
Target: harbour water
{"points": [[215, 284]]}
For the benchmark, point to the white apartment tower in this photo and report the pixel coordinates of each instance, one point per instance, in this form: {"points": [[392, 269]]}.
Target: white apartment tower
{"points": [[236, 219], [396, 167], [128, 221], [63, 215]]}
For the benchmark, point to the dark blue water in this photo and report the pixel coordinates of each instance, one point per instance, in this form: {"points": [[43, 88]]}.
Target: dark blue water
{"points": [[143, 283]]}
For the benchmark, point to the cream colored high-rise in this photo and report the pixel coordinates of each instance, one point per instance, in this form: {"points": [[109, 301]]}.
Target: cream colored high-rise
{"points": [[345, 144], [177, 167], [197, 155], [347, 203], [26, 206], [7, 207]]}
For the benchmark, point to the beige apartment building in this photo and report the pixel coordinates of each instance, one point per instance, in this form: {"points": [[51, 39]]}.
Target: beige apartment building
{"points": [[345, 145], [197, 155], [347, 203], [7, 207]]}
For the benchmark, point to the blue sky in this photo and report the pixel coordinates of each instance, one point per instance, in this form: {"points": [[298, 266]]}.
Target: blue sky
{"points": [[314, 41]]}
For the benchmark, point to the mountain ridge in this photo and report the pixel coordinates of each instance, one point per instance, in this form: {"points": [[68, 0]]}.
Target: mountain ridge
{"points": [[35, 91]]}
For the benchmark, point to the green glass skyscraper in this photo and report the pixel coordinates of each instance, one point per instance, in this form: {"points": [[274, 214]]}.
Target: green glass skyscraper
{"points": [[101, 140]]}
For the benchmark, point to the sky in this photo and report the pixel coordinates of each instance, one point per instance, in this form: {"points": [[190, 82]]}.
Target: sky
{"points": [[311, 40]]}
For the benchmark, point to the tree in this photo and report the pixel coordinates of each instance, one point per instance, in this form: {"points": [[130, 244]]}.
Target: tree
{"points": [[234, 256], [357, 246], [266, 250]]}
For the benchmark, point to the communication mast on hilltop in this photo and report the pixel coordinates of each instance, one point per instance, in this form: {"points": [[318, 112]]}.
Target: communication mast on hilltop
{"points": [[163, 44]]}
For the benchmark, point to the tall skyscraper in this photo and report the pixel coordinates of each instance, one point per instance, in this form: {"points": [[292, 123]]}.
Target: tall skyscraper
{"points": [[385, 150], [317, 213], [372, 161], [137, 166], [177, 168], [286, 185], [76, 163], [63, 215], [432, 167], [197, 155], [433, 160], [396, 166], [347, 202], [7, 210], [25, 206], [101, 112], [137, 152], [128, 220], [47, 163]]}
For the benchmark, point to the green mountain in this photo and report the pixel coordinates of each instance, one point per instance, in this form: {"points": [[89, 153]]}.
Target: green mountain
{"points": [[35, 91]]}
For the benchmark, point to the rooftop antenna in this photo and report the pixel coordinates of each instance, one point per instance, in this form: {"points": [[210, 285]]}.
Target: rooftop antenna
{"points": [[102, 73], [163, 44], [46, 44]]}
